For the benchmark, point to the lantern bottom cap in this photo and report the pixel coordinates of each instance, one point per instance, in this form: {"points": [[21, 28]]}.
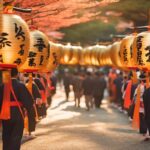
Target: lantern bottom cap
{"points": [[7, 66]]}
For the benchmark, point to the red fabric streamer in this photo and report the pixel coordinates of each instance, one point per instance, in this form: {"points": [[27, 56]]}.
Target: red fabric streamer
{"points": [[5, 110], [127, 100], [136, 121], [43, 96]]}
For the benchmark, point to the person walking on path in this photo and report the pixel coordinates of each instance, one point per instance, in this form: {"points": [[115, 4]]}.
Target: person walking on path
{"points": [[77, 88], [118, 82], [138, 116], [98, 88], [88, 91], [67, 82], [13, 125]]}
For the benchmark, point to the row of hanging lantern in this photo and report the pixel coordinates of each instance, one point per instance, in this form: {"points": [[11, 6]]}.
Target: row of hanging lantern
{"points": [[132, 52], [28, 50], [32, 51]]}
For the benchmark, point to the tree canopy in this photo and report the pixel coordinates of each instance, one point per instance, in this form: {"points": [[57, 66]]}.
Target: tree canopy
{"points": [[85, 21]]}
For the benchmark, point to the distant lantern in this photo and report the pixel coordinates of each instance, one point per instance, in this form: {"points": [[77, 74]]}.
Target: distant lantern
{"points": [[126, 51], [55, 53], [67, 54], [106, 56], [94, 58], [114, 54], [76, 55], [87, 57], [82, 57], [100, 54], [39, 51], [141, 47], [14, 40]]}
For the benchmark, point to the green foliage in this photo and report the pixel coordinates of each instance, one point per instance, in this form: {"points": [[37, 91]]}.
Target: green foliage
{"points": [[88, 33], [95, 31], [134, 10]]}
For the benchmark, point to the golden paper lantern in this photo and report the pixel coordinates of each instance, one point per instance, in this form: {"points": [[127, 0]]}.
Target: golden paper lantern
{"points": [[114, 54], [107, 57], [88, 55], [92, 55], [104, 56], [80, 49], [99, 54], [14, 40], [141, 50], [62, 51], [66, 54], [82, 57], [94, 58], [54, 58], [74, 60], [126, 51], [39, 51]]}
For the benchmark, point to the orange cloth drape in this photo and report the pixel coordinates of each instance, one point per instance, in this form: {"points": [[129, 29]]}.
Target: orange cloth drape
{"points": [[127, 100], [5, 110], [43, 96], [147, 80], [136, 122], [42, 92]]}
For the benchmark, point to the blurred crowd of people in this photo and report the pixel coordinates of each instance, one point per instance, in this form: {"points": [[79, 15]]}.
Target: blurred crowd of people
{"points": [[91, 85], [129, 94], [31, 94]]}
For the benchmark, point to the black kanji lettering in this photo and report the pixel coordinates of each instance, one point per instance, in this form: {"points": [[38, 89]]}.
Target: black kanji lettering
{"points": [[18, 61], [139, 51], [55, 62], [19, 32], [32, 54], [41, 60], [125, 54], [40, 44], [48, 55], [148, 53], [4, 40], [31, 62], [21, 52]]}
